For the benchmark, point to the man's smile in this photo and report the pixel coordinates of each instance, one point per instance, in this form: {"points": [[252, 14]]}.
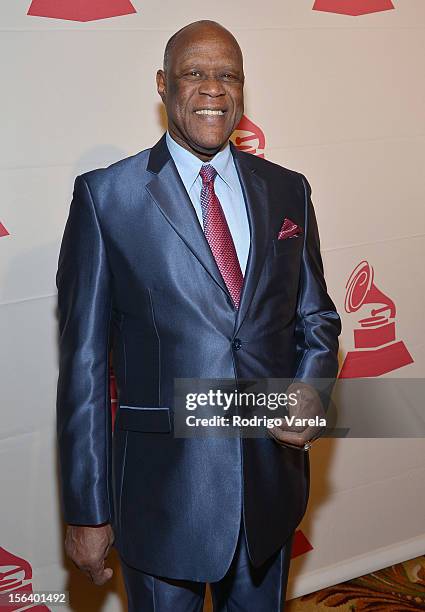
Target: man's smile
{"points": [[210, 112]]}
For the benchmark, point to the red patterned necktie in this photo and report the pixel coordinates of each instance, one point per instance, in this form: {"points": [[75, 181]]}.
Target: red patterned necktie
{"points": [[218, 235]]}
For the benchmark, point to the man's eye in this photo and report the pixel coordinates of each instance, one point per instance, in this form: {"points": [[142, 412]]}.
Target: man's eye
{"points": [[228, 76], [194, 73]]}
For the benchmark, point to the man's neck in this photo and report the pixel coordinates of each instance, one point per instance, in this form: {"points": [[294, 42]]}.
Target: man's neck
{"points": [[203, 156]]}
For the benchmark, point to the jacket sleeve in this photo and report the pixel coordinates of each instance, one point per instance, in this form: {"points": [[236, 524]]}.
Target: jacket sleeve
{"points": [[83, 404], [318, 324]]}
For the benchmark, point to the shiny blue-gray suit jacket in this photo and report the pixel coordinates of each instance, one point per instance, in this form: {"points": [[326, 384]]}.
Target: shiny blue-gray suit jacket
{"points": [[136, 273]]}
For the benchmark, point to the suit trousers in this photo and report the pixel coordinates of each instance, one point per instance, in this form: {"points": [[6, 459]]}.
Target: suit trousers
{"points": [[244, 588]]}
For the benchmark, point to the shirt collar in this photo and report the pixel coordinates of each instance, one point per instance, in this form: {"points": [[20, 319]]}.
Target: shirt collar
{"points": [[189, 165]]}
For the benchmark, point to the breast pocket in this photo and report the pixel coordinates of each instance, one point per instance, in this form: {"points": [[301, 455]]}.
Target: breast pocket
{"points": [[287, 245], [144, 419]]}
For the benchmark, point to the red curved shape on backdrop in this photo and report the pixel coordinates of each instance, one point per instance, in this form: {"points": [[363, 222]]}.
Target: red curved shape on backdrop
{"points": [[353, 7], [3, 230], [80, 10]]}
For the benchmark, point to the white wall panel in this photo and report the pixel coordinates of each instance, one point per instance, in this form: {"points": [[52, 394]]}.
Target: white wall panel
{"points": [[345, 464], [18, 490], [35, 205], [336, 85], [101, 101], [377, 185], [28, 360], [343, 523]]}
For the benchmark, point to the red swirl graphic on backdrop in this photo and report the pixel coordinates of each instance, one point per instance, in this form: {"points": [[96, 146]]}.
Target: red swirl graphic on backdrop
{"points": [[249, 137], [15, 580], [80, 10], [353, 7]]}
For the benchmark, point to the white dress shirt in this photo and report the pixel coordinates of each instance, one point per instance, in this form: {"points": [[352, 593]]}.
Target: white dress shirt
{"points": [[227, 188]]}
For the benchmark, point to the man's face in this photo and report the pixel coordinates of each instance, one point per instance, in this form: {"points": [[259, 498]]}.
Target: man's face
{"points": [[203, 90]]}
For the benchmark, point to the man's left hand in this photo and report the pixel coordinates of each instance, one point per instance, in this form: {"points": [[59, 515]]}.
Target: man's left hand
{"points": [[308, 406]]}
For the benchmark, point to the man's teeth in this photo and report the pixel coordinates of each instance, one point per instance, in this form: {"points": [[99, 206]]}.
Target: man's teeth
{"points": [[206, 111]]}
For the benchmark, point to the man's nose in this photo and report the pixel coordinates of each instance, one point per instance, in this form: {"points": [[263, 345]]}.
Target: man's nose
{"points": [[212, 86]]}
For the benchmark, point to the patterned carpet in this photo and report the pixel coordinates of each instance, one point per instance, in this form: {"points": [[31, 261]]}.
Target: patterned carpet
{"points": [[398, 588]]}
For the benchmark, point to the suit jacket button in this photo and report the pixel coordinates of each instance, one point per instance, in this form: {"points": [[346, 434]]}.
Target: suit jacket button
{"points": [[236, 344]]}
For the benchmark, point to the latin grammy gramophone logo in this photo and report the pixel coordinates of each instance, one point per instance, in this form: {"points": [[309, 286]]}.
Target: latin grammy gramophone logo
{"points": [[249, 137], [3, 230], [377, 351], [15, 581], [80, 10], [353, 7]]}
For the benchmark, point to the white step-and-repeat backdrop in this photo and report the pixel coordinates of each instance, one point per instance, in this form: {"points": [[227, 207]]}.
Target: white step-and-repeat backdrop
{"points": [[334, 89]]}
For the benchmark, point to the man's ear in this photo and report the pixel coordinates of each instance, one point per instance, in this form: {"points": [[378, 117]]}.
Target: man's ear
{"points": [[161, 84]]}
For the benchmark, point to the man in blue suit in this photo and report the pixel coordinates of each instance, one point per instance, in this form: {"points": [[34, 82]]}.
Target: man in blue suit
{"points": [[191, 260]]}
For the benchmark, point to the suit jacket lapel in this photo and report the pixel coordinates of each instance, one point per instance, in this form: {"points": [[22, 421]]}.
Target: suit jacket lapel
{"points": [[170, 195], [255, 192], [167, 190]]}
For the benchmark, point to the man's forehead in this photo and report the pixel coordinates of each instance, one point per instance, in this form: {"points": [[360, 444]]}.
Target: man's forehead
{"points": [[208, 54], [204, 42]]}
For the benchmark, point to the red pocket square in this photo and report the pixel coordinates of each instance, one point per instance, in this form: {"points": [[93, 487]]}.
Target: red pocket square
{"points": [[289, 229]]}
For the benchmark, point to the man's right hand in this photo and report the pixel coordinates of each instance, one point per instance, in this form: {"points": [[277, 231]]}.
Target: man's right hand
{"points": [[88, 548]]}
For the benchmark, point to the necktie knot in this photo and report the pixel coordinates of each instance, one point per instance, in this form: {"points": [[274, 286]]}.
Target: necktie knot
{"points": [[207, 173]]}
